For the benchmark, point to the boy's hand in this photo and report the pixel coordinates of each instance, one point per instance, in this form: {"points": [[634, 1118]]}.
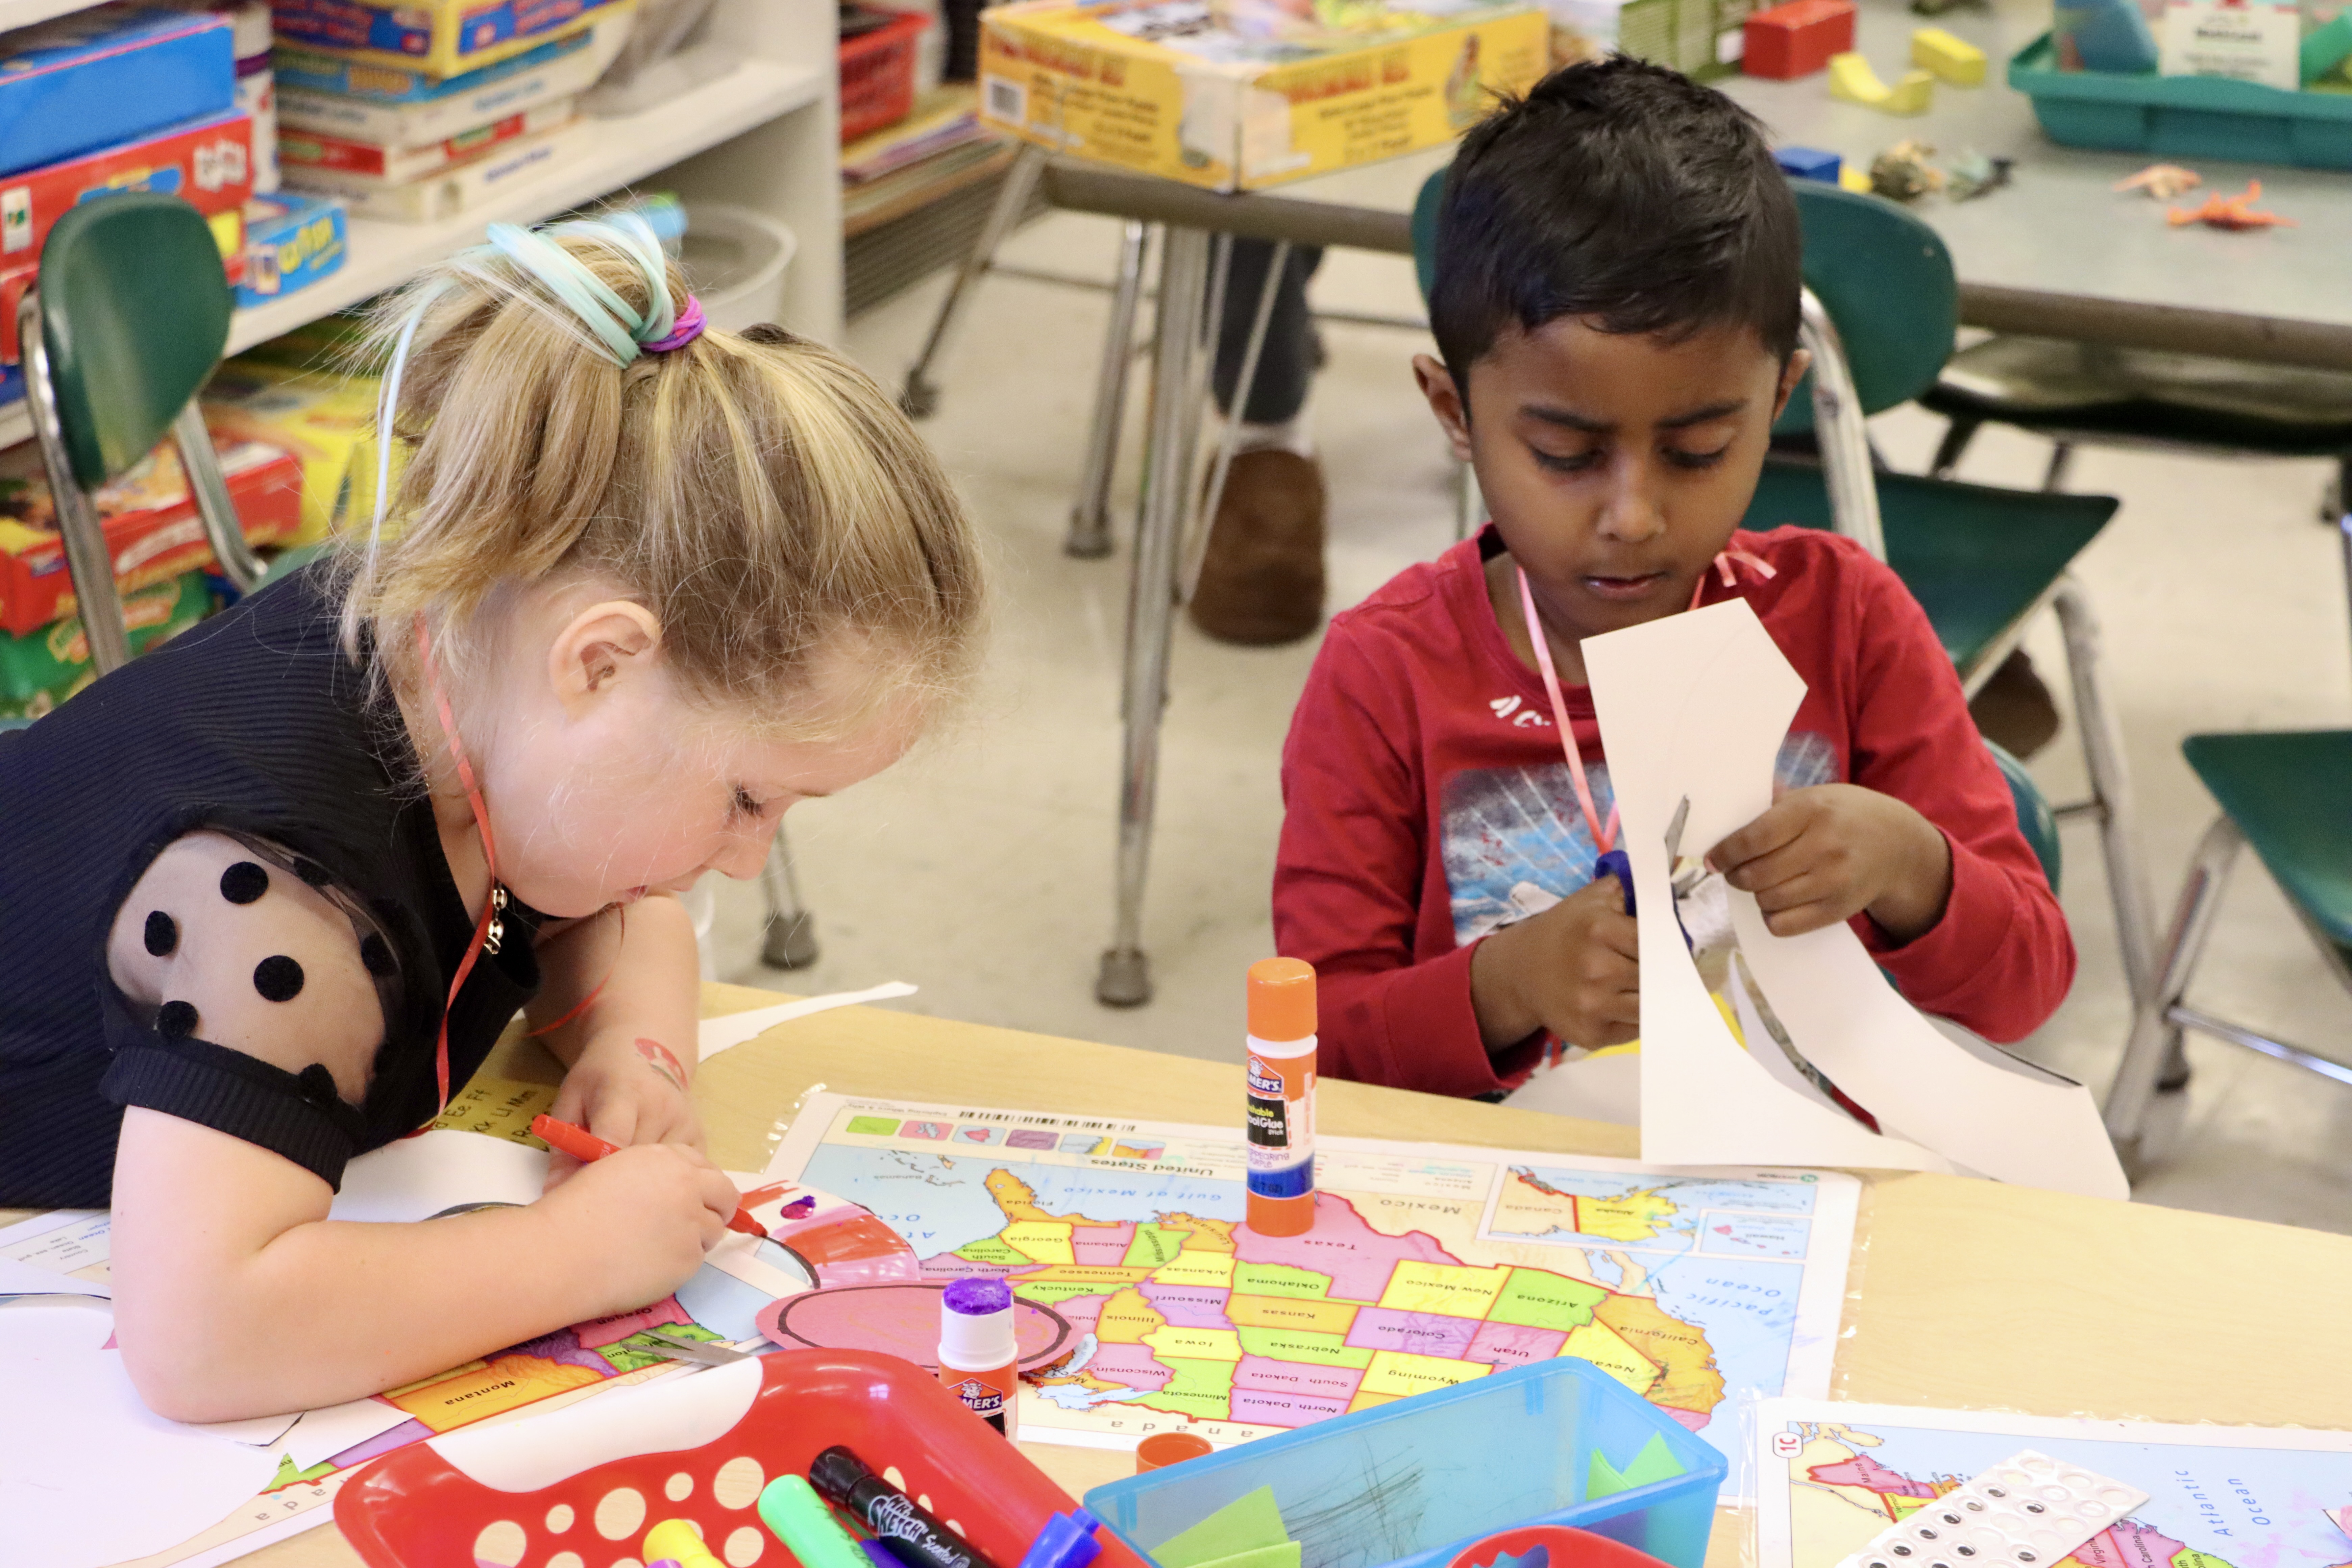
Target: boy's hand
{"points": [[1574, 969], [626, 1092], [647, 1214], [1825, 854]]}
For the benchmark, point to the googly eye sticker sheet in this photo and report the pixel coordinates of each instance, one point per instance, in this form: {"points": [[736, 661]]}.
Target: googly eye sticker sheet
{"points": [[1835, 1479]]}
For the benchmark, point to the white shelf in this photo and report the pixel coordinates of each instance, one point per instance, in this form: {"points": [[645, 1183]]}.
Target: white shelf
{"points": [[25, 13], [616, 152]]}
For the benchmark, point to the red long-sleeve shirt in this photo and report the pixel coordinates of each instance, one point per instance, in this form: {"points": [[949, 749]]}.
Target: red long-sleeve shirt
{"points": [[1426, 803]]}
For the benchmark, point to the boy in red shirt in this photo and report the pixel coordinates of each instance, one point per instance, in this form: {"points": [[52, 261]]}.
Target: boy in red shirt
{"points": [[1616, 305]]}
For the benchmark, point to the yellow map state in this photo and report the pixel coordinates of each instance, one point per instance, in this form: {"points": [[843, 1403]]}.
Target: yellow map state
{"points": [[1454, 1290], [1018, 1199], [1127, 1319], [1599, 1344], [481, 1389], [1208, 1234], [1688, 1379], [1401, 1373], [1194, 1267], [1635, 1217], [1527, 1206], [1047, 1241], [1194, 1344], [1290, 1313]]}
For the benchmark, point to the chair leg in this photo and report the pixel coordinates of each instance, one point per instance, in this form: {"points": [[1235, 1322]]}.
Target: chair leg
{"points": [[1125, 978], [89, 565], [1948, 451], [2111, 794], [790, 938], [2155, 1039], [2061, 458], [223, 529], [921, 398], [1196, 546], [1089, 538]]}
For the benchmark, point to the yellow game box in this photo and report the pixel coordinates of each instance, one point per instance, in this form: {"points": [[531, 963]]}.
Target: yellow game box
{"points": [[1243, 94]]}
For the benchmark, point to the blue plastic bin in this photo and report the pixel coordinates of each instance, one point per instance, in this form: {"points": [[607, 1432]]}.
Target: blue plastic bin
{"points": [[2184, 116], [1410, 1484]]}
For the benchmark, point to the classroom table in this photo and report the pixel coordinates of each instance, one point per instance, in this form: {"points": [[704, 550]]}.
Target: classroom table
{"points": [[1961, 1293]]}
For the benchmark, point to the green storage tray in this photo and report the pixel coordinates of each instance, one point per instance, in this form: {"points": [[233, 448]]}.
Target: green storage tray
{"points": [[2184, 116]]}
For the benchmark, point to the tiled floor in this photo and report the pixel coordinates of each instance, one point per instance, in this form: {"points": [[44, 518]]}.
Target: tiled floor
{"points": [[981, 869]]}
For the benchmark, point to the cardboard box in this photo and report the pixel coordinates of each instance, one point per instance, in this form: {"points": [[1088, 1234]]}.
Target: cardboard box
{"points": [[1158, 88], [109, 75], [1703, 39], [42, 669], [397, 162], [455, 190], [408, 109], [291, 240], [326, 421], [152, 528], [441, 37], [208, 164]]}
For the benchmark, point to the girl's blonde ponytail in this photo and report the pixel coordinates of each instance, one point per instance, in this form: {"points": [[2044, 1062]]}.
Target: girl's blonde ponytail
{"points": [[759, 493]]}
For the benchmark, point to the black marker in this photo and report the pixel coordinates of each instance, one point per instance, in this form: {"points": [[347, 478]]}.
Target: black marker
{"points": [[908, 1530]]}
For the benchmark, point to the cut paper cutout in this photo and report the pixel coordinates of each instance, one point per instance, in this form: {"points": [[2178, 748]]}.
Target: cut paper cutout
{"points": [[1656, 1462], [1249, 1523], [1696, 705], [333, 1429], [87, 1473], [440, 1169], [717, 1035], [29, 1279]]}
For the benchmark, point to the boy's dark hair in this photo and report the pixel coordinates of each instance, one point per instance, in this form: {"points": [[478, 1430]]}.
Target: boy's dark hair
{"points": [[1619, 190]]}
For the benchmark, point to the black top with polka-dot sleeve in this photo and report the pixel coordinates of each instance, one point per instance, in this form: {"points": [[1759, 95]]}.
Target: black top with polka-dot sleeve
{"points": [[256, 725]]}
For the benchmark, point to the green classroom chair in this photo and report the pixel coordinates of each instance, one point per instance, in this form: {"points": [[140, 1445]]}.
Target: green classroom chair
{"points": [[128, 315], [1880, 311]]}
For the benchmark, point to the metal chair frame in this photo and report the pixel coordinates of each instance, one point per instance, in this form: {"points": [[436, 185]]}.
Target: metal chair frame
{"points": [[2152, 1061]]}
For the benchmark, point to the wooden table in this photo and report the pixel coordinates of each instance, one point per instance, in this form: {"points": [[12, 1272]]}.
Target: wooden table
{"points": [[1961, 1293]]}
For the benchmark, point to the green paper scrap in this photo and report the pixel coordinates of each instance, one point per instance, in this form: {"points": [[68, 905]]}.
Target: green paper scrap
{"points": [[1656, 1462], [1244, 1528]]}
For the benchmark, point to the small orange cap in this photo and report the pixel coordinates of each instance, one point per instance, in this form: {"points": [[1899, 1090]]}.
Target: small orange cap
{"points": [[1282, 998], [1164, 1449]]}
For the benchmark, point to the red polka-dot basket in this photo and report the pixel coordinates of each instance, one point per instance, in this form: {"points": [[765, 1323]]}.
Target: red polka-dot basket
{"points": [[579, 1487]]}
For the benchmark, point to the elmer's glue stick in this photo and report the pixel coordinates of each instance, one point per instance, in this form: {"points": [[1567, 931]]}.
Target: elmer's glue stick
{"points": [[980, 1359], [1281, 1096]]}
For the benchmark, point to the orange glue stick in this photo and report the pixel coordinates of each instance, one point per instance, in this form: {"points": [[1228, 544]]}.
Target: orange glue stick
{"points": [[980, 1358], [1281, 1096]]}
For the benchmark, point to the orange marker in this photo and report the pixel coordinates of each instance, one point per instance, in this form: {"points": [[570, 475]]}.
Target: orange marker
{"points": [[1281, 1096], [587, 1148]]}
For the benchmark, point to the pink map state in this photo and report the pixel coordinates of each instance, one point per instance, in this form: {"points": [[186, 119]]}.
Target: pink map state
{"points": [[1102, 1244], [1282, 1409], [1130, 1365], [1867, 1473], [1189, 1306], [1357, 1259], [1513, 1344], [1306, 1380], [2129, 1544], [1422, 1333]]}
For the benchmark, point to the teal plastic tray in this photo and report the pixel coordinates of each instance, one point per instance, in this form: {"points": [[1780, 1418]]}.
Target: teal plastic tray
{"points": [[1410, 1484], [2184, 116]]}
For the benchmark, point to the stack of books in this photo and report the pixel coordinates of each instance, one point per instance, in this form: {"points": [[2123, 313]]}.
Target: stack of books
{"points": [[939, 148]]}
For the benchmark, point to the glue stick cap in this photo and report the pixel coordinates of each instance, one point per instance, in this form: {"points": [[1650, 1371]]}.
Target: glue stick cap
{"points": [[976, 1330], [1281, 998]]}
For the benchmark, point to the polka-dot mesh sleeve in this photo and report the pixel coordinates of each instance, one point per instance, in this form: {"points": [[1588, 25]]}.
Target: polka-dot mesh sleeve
{"points": [[248, 994]]}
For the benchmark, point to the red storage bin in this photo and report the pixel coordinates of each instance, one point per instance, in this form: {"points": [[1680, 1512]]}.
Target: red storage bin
{"points": [[877, 72], [582, 1486]]}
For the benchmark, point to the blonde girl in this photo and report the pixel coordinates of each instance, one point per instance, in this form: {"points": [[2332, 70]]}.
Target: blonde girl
{"points": [[268, 895]]}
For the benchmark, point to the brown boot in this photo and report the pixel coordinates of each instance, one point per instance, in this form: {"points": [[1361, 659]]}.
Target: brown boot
{"points": [[1261, 574], [2013, 710]]}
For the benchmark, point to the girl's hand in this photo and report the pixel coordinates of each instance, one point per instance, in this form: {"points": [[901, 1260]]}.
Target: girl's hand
{"points": [[647, 1214], [626, 1091], [1822, 856], [1575, 969]]}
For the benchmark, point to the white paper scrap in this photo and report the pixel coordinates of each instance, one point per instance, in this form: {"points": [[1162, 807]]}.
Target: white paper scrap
{"points": [[718, 1034], [322, 1433], [89, 1475], [446, 1168], [27, 1279]]}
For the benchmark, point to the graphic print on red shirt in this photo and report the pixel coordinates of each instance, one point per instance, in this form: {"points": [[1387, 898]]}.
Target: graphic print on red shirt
{"points": [[1427, 804]]}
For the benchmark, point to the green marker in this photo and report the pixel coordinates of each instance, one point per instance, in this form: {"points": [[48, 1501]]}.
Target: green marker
{"points": [[790, 1509]]}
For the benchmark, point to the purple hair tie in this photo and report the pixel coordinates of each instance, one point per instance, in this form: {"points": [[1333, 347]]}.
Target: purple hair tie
{"points": [[687, 328]]}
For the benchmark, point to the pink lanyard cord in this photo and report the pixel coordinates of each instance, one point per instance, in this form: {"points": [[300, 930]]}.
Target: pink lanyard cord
{"points": [[495, 899]]}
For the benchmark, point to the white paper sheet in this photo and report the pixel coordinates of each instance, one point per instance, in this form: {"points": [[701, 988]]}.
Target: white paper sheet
{"points": [[717, 1034], [87, 1473], [416, 1178], [324, 1433], [26, 1280], [1696, 705]]}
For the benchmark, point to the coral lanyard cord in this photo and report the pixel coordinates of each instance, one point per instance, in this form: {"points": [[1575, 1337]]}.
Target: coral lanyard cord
{"points": [[496, 899]]}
